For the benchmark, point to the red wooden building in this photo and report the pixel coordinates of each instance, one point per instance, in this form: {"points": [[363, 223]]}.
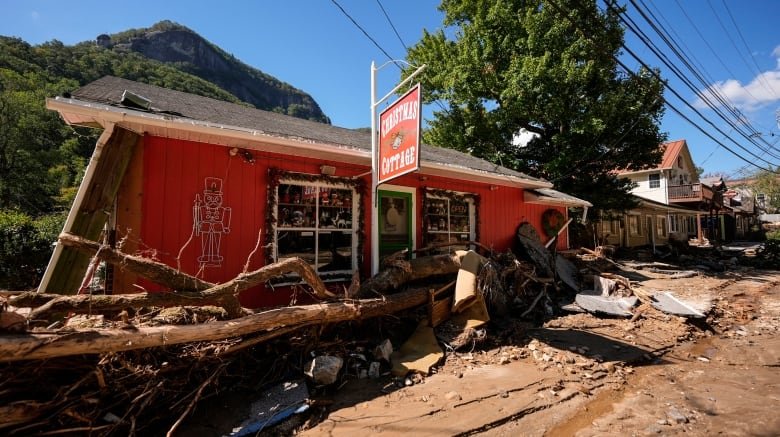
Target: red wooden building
{"points": [[216, 188]]}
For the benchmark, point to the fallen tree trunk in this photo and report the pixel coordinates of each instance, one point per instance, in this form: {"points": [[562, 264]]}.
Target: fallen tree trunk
{"points": [[97, 303], [156, 272], [419, 268], [223, 294], [33, 346]]}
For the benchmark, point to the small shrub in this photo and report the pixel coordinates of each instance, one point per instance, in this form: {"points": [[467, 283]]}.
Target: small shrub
{"points": [[26, 245]]}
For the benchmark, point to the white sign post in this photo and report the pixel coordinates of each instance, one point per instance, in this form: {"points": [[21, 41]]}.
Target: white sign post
{"points": [[375, 158]]}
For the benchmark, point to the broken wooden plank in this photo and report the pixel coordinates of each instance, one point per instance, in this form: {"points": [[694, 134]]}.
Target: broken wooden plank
{"points": [[109, 161], [670, 304], [614, 306]]}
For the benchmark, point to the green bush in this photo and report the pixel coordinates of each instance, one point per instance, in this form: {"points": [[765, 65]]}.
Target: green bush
{"points": [[26, 245]]}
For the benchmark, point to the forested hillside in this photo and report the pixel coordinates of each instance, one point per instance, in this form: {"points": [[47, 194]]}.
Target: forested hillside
{"points": [[42, 159]]}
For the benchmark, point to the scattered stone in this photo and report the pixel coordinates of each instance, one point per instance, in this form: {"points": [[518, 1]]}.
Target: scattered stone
{"points": [[373, 370], [383, 351], [408, 382], [324, 370], [453, 396], [676, 416], [703, 359]]}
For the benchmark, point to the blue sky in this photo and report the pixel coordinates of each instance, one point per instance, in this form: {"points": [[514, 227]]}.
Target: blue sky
{"points": [[312, 45]]}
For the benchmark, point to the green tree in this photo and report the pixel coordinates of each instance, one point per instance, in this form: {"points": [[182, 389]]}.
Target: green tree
{"points": [[31, 140], [767, 183], [545, 67]]}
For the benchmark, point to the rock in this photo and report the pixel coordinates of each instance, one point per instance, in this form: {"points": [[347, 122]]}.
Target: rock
{"points": [[676, 416], [537, 355], [609, 367], [408, 382], [324, 370], [703, 359], [504, 359], [373, 370], [452, 396], [383, 351]]}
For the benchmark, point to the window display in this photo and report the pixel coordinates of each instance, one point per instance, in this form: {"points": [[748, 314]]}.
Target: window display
{"points": [[449, 219], [314, 222]]}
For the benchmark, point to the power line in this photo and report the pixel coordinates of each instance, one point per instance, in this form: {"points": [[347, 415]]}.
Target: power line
{"points": [[668, 104], [392, 25], [628, 21], [366, 33]]}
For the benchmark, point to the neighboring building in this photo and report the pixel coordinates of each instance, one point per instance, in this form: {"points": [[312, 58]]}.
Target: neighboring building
{"points": [[649, 224], [674, 198], [741, 218], [203, 185]]}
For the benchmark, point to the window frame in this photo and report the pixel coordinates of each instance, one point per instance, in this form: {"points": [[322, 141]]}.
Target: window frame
{"points": [[661, 226], [431, 197], [654, 178], [274, 224], [635, 225]]}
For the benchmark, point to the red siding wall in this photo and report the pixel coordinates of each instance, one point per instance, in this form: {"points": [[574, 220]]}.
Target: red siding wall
{"points": [[174, 173]]}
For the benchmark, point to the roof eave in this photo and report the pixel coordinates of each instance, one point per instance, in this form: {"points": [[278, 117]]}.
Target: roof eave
{"points": [[540, 199], [82, 113]]}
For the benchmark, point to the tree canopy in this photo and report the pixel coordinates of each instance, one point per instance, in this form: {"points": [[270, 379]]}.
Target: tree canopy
{"points": [[548, 69]]}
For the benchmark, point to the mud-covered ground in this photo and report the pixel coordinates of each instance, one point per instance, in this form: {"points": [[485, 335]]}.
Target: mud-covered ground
{"points": [[576, 374], [586, 375]]}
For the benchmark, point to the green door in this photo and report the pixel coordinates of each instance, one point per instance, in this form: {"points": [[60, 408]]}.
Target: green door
{"points": [[395, 222]]}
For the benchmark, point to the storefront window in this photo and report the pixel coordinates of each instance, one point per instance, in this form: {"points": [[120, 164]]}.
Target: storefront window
{"points": [[449, 220], [317, 224]]}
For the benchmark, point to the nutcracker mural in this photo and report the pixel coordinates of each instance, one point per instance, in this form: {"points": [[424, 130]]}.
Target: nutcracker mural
{"points": [[211, 220]]}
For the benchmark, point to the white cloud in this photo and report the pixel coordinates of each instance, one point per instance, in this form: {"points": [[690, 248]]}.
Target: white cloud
{"points": [[763, 90], [523, 137]]}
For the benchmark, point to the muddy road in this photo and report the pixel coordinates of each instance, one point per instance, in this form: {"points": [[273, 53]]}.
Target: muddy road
{"points": [[584, 375]]}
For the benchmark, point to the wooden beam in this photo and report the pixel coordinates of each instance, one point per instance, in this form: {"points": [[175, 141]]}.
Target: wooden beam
{"points": [[94, 209]]}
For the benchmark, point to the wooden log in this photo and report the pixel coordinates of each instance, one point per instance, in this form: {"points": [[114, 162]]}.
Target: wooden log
{"points": [[392, 279], [223, 295], [34, 346], [154, 271]]}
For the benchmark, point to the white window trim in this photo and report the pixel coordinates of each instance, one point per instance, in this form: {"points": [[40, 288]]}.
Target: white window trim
{"points": [[354, 230], [472, 213]]}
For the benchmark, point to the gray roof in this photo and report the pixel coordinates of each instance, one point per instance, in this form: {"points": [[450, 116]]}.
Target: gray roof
{"points": [[568, 198], [108, 90]]}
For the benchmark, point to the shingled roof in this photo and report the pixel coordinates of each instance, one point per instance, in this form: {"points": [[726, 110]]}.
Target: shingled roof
{"points": [[109, 90]]}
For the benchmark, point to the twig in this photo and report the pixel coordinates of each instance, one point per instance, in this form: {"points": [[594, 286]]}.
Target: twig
{"points": [[533, 304], [252, 253], [195, 399]]}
